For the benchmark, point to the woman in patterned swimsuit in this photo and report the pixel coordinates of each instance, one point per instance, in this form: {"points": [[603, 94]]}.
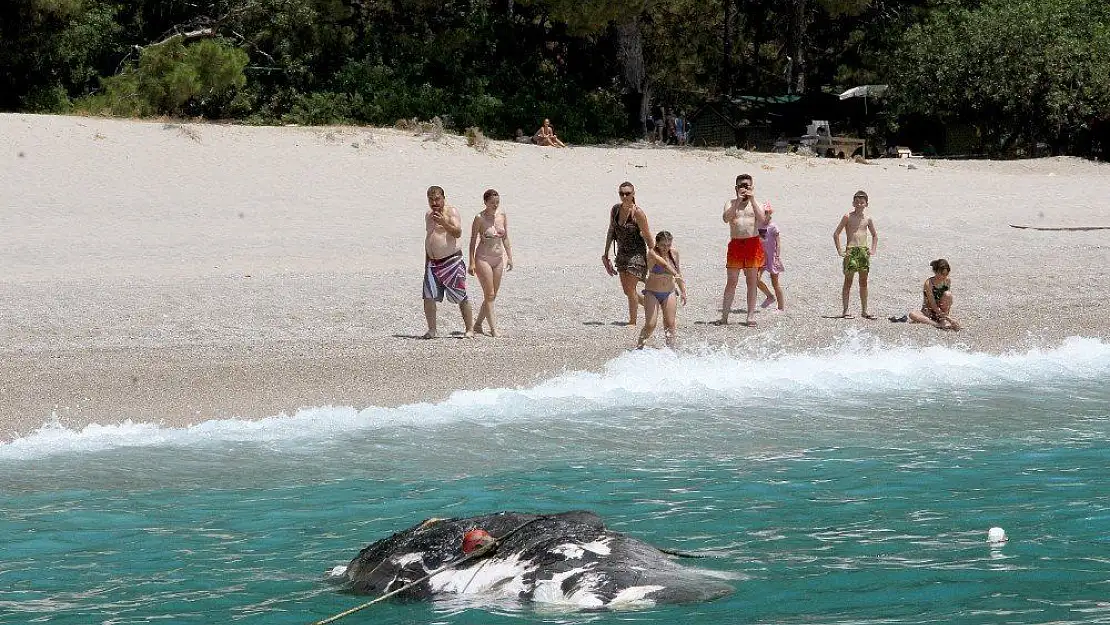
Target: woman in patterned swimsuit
{"points": [[628, 228], [936, 299]]}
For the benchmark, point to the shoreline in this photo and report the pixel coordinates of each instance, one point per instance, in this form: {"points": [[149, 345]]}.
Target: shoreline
{"points": [[184, 386], [229, 271]]}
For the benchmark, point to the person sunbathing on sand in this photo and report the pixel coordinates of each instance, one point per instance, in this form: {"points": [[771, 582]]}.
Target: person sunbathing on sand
{"points": [[936, 305], [546, 136]]}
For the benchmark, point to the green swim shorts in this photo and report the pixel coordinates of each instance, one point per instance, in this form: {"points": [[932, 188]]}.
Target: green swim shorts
{"points": [[857, 259]]}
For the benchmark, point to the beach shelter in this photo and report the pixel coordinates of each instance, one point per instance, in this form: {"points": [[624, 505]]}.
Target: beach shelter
{"points": [[742, 120], [715, 124], [863, 91]]}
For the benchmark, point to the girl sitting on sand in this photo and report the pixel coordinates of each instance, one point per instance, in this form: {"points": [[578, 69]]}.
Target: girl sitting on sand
{"points": [[662, 278], [490, 255], [769, 237], [936, 307]]}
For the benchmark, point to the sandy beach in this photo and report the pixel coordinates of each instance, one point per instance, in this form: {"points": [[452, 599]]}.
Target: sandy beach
{"points": [[175, 273]]}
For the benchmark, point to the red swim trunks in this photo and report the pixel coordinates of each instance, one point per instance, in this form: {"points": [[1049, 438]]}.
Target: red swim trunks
{"points": [[745, 253]]}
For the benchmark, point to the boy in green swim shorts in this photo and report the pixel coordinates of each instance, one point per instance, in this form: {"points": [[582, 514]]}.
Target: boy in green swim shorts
{"points": [[856, 253]]}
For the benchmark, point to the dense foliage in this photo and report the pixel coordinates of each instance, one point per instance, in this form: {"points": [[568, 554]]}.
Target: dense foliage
{"points": [[1020, 72]]}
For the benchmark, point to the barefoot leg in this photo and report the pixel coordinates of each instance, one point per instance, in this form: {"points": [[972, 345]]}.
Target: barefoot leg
{"points": [[430, 316], [767, 294], [485, 278], [468, 318], [629, 282], [670, 319], [778, 291], [751, 277], [732, 279], [863, 296], [491, 295], [498, 272], [846, 291], [651, 317], [917, 316]]}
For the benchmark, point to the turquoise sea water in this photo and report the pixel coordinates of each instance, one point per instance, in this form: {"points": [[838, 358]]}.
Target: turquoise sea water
{"points": [[848, 485]]}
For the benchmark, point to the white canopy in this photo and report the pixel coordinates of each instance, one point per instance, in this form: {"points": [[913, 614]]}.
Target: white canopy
{"points": [[863, 91]]}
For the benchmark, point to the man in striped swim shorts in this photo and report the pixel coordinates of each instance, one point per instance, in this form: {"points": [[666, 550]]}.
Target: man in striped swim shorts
{"points": [[444, 269]]}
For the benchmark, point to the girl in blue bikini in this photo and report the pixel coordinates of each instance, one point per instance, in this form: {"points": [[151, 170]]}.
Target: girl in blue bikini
{"points": [[659, 291]]}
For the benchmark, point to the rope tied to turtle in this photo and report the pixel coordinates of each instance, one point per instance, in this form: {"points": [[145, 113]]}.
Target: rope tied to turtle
{"points": [[479, 551]]}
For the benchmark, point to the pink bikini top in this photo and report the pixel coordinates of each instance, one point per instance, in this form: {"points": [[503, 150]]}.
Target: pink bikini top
{"points": [[493, 232]]}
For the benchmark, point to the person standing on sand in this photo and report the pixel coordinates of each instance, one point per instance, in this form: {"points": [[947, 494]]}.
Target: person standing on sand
{"points": [[662, 280], [772, 264], [857, 255], [681, 128], [671, 127], [662, 127], [444, 269], [491, 255], [628, 228], [744, 216]]}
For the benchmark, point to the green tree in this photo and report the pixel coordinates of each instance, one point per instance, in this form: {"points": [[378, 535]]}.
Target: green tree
{"points": [[1022, 71], [625, 20], [173, 78], [51, 50]]}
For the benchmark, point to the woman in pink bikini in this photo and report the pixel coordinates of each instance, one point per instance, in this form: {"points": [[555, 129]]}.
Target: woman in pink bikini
{"points": [[490, 255]]}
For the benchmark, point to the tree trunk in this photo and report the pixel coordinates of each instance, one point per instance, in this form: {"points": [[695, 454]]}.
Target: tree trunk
{"points": [[630, 53], [725, 83], [801, 34]]}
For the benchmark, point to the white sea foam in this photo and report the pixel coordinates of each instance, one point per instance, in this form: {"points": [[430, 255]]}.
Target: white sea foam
{"points": [[703, 379]]}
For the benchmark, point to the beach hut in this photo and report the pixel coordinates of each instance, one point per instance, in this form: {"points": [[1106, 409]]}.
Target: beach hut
{"points": [[745, 121], [714, 125]]}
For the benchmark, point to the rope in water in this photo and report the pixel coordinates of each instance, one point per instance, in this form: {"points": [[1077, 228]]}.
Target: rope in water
{"points": [[479, 552]]}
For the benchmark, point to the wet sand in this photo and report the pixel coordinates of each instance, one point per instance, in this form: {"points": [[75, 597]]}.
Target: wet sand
{"points": [[174, 273]]}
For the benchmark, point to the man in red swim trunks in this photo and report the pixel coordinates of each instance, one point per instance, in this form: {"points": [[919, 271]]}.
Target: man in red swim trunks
{"points": [[744, 217]]}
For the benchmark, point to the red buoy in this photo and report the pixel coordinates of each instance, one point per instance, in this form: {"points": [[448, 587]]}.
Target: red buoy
{"points": [[475, 539]]}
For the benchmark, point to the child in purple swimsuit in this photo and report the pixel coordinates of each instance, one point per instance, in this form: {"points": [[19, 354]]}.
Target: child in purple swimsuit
{"points": [[769, 236]]}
